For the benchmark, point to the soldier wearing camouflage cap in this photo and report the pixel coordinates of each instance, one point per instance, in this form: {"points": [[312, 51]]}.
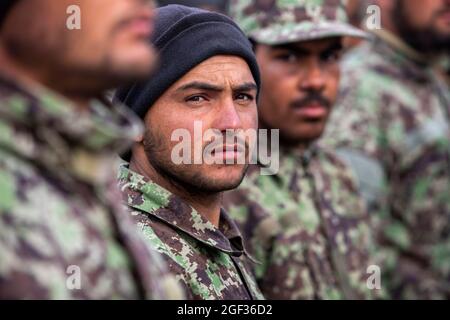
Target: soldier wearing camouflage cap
{"points": [[63, 232], [392, 126], [306, 223]]}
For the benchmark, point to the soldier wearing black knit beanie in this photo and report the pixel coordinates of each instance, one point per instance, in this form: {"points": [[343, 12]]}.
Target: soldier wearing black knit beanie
{"points": [[206, 84]]}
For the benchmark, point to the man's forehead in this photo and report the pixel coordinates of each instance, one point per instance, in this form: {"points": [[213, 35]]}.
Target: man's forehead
{"points": [[311, 46], [222, 63], [219, 70]]}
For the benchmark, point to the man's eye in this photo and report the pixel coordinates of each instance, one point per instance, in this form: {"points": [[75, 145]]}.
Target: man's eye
{"points": [[331, 56], [244, 97], [288, 57], [196, 99]]}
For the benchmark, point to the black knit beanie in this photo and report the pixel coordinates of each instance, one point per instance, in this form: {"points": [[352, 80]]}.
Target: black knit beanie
{"points": [[5, 6], [184, 37]]}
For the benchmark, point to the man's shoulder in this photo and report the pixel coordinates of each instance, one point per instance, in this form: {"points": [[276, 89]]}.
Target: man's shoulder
{"points": [[369, 72], [256, 198], [184, 255], [335, 167], [329, 158], [9, 89], [338, 182], [22, 184], [163, 237]]}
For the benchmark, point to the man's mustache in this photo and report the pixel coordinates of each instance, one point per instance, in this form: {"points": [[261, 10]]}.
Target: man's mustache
{"points": [[311, 98], [220, 140]]}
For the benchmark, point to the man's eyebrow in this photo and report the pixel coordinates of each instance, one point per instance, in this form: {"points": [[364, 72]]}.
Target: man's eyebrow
{"points": [[290, 47], [200, 86], [336, 46], [248, 86]]}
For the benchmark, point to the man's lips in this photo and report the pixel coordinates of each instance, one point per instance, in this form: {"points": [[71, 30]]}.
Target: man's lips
{"points": [[229, 148], [141, 25], [311, 111], [228, 151]]}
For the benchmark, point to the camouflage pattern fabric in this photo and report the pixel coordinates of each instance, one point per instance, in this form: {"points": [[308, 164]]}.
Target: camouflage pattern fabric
{"points": [[392, 127], [209, 263], [444, 68], [275, 22], [307, 227], [59, 213]]}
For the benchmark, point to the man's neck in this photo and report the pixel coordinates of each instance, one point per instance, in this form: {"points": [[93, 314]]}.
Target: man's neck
{"points": [[401, 46], [208, 205], [295, 145], [33, 79]]}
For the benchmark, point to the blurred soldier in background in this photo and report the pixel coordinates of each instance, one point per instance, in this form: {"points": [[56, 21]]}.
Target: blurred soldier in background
{"points": [[357, 13], [178, 205], [447, 75], [220, 6], [306, 223], [392, 127], [63, 233], [445, 67]]}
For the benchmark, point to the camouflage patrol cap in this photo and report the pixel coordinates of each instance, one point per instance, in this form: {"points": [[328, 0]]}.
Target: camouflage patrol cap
{"points": [[275, 22]]}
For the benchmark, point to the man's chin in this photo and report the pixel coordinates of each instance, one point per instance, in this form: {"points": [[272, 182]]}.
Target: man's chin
{"points": [[226, 183], [231, 186], [129, 71], [132, 74], [302, 138]]}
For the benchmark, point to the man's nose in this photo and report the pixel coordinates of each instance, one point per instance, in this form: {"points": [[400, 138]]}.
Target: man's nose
{"points": [[227, 117], [313, 78]]}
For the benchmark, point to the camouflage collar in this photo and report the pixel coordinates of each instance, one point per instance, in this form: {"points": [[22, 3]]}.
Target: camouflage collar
{"points": [[142, 194], [407, 67], [290, 159], [57, 136], [295, 162], [398, 44], [299, 156]]}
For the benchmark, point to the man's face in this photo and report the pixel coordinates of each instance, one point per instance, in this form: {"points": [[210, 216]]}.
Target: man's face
{"points": [[112, 45], [299, 86], [424, 24], [219, 93]]}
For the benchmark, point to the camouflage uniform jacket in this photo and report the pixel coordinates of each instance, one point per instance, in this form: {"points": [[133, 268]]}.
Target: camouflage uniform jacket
{"points": [[392, 127], [210, 263], [307, 227], [63, 233]]}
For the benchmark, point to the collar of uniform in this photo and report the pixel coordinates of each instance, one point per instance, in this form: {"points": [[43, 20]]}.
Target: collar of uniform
{"points": [[55, 134], [401, 46], [293, 164], [142, 194], [294, 161], [408, 65]]}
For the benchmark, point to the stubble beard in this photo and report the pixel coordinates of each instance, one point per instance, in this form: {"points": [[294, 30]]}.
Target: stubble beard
{"points": [[426, 40], [181, 177]]}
